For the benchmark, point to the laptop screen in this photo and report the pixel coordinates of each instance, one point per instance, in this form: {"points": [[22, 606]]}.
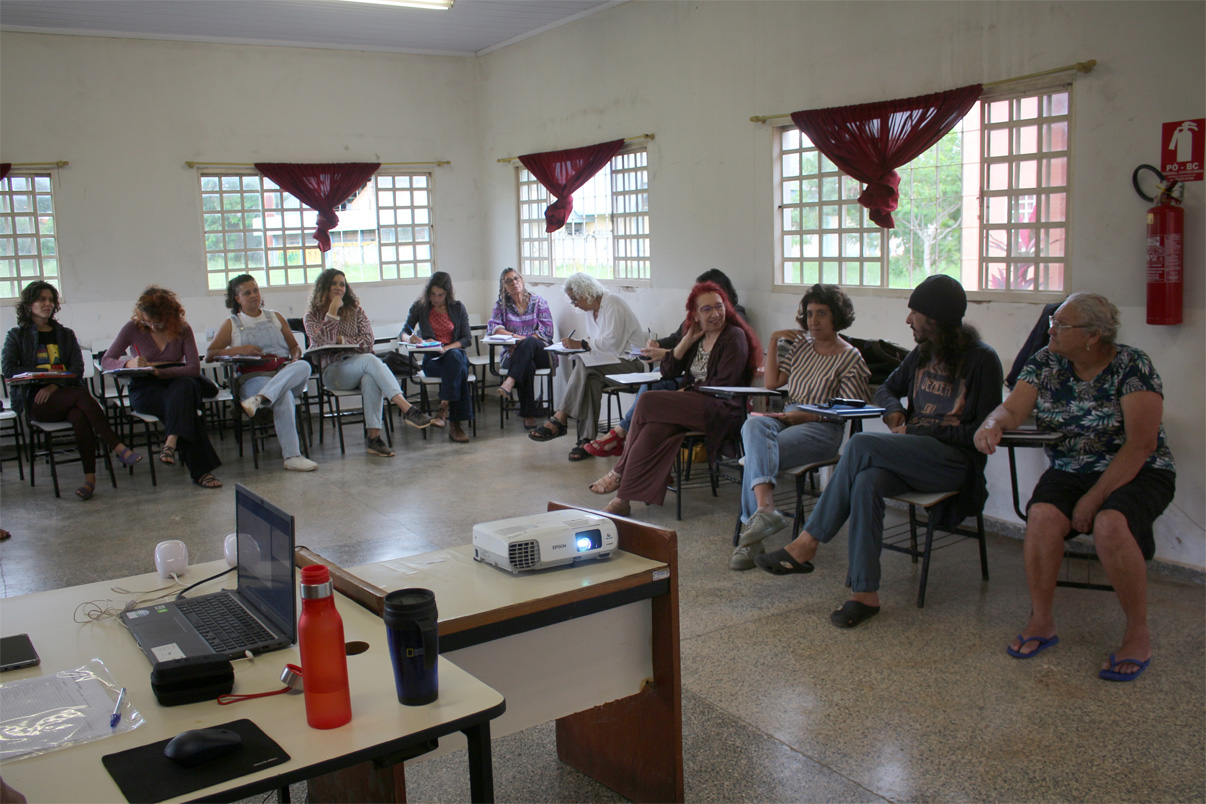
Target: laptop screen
{"points": [[266, 572]]}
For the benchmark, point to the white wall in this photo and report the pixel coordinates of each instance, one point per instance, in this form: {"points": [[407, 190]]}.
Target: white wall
{"points": [[693, 73], [128, 113]]}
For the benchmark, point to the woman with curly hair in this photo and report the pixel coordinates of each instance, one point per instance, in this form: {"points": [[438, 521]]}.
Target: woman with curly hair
{"points": [[40, 343], [719, 348], [525, 316], [335, 317], [819, 364], [437, 315], [158, 334]]}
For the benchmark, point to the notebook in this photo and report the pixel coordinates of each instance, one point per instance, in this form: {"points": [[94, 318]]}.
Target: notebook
{"points": [[259, 616]]}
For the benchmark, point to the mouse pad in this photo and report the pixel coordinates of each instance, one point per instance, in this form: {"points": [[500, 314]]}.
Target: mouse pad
{"points": [[145, 775]]}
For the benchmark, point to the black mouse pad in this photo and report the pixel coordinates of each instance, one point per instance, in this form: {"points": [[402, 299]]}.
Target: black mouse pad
{"points": [[145, 775]]}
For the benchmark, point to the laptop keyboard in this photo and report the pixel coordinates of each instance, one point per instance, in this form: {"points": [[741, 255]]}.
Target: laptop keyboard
{"points": [[223, 623]]}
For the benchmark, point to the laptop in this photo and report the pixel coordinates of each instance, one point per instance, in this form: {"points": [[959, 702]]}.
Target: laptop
{"points": [[259, 616]]}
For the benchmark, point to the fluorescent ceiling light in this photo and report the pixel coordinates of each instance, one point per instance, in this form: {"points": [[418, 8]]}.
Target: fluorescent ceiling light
{"points": [[436, 5]]}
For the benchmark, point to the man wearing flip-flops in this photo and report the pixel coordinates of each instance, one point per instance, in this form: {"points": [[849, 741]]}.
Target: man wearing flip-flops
{"points": [[952, 380]]}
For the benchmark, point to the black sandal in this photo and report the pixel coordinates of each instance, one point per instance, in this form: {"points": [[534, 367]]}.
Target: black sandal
{"points": [[543, 433], [208, 481], [579, 452], [780, 562], [852, 613], [167, 455]]}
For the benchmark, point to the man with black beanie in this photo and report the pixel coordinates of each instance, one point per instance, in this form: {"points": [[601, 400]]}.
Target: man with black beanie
{"points": [[951, 381]]}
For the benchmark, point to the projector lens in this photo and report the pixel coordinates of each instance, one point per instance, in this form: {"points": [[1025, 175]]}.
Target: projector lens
{"points": [[588, 539]]}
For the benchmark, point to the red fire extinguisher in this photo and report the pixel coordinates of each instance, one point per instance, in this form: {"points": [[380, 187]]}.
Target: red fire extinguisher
{"points": [[1165, 250]]}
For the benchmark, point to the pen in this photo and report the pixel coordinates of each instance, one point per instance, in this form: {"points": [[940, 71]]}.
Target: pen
{"points": [[115, 718], [572, 331]]}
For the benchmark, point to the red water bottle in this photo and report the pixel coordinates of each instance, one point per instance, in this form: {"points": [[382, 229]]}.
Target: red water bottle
{"points": [[323, 656]]}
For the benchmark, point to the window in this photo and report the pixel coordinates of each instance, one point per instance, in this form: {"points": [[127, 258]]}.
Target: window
{"points": [[986, 205], [607, 234], [250, 225], [28, 247]]}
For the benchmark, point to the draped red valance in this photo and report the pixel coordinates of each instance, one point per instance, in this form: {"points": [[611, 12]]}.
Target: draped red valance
{"points": [[322, 187], [5, 167], [563, 172], [869, 141]]}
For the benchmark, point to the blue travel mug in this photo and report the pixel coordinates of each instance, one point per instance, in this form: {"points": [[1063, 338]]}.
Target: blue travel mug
{"points": [[414, 644]]}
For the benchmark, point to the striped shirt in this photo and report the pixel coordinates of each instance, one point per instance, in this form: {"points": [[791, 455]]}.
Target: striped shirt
{"points": [[324, 329], [813, 379]]}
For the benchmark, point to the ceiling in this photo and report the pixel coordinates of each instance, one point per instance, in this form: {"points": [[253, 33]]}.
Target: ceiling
{"points": [[470, 27]]}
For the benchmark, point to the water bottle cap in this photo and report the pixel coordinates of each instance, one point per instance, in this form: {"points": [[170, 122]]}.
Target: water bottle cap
{"points": [[314, 575]]}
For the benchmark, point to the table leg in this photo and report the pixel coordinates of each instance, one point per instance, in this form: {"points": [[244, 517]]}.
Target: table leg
{"points": [[481, 765]]}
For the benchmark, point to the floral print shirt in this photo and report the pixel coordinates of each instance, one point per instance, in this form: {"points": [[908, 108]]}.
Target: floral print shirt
{"points": [[1089, 413]]}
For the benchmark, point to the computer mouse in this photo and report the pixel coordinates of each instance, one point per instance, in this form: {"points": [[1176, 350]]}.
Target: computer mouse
{"points": [[201, 745]]}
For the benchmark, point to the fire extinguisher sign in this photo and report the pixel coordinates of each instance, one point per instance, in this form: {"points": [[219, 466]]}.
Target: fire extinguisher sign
{"points": [[1183, 150]]}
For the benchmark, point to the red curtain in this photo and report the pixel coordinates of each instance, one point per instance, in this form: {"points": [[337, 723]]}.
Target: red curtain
{"points": [[563, 172], [5, 167], [871, 140], [322, 187]]}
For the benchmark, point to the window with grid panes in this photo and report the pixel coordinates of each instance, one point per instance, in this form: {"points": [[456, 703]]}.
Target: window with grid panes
{"points": [[607, 234], [986, 205], [28, 246], [249, 225]]}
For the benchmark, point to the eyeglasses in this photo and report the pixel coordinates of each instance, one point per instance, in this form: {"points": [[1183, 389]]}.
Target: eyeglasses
{"points": [[709, 309], [1059, 325]]}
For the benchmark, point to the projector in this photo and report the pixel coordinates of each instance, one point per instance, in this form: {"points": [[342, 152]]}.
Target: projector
{"points": [[545, 540]]}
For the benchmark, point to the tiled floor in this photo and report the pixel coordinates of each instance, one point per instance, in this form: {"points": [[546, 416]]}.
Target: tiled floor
{"points": [[917, 705]]}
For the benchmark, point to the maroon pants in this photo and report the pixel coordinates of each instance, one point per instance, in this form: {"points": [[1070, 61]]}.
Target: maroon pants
{"points": [[658, 426], [75, 405]]}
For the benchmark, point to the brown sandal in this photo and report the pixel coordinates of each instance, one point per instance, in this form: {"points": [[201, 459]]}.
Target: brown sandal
{"points": [[208, 481], [618, 507], [607, 484]]}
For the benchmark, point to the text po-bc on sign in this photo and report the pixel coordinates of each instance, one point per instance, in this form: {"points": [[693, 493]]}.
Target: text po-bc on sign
{"points": [[1183, 150]]}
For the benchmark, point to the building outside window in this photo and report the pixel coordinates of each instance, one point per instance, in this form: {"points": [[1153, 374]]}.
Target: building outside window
{"points": [[28, 236], [987, 205], [249, 225], [607, 234]]}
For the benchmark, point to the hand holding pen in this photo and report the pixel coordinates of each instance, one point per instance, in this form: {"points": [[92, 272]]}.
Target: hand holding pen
{"points": [[568, 341]]}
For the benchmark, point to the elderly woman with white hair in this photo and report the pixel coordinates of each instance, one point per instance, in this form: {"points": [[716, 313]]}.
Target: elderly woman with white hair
{"points": [[1111, 475], [612, 334]]}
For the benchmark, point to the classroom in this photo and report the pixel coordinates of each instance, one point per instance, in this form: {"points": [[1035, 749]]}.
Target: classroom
{"points": [[921, 705]]}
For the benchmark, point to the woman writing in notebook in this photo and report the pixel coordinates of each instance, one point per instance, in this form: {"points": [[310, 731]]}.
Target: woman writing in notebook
{"points": [[39, 343], [719, 348], [526, 317], [157, 334], [438, 316], [276, 382], [335, 317]]}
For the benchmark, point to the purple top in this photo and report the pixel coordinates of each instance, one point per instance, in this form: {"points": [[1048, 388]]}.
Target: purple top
{"points": [[537, 320], [181, 348]]}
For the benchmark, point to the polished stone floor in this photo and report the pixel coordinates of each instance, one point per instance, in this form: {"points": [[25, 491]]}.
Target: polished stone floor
{"points": [[916, 705]]}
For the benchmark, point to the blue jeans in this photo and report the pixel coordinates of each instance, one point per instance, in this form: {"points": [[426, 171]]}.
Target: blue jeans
{"points": [[374, 379], [282, 391], [660, 385], [874, 466], [452, 368], [770, 445]]}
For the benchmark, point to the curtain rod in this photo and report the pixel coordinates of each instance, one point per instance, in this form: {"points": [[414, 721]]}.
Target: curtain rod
{"points": [[1080, 67], [59, 164], [626, 139], [252, 164]]}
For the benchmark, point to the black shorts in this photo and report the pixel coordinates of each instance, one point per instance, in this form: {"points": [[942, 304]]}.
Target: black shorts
{"points": [[1140, 501]]}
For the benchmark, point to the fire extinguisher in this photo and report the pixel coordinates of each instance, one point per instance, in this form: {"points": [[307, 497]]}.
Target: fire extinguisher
{"points": [[1165, 250]]}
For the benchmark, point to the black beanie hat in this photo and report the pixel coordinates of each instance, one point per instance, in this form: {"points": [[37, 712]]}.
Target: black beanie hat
{"points": [[941, 298]]}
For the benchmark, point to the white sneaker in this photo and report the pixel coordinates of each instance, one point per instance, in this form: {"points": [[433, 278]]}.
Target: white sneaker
{"points": [[300, 463], [761, 525], [743, 557], [251, 404]]}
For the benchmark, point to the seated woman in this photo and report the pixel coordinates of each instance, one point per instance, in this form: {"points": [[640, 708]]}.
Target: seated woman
{"points": [[39, 343], [1112, 474], [718, 349], [612, 333], [335, 317], [613, 443], [819, 365], [525, 316], [437, 315], [157, 333], [278, 381]]}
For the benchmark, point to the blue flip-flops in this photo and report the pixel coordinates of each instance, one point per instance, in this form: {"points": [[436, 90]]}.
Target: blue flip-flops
{"points": [[1113, 673], [1043, 644]]}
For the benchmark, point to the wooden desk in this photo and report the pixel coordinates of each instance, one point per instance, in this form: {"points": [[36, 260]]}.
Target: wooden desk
{"points": [[594, 647], [382, 731]]}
